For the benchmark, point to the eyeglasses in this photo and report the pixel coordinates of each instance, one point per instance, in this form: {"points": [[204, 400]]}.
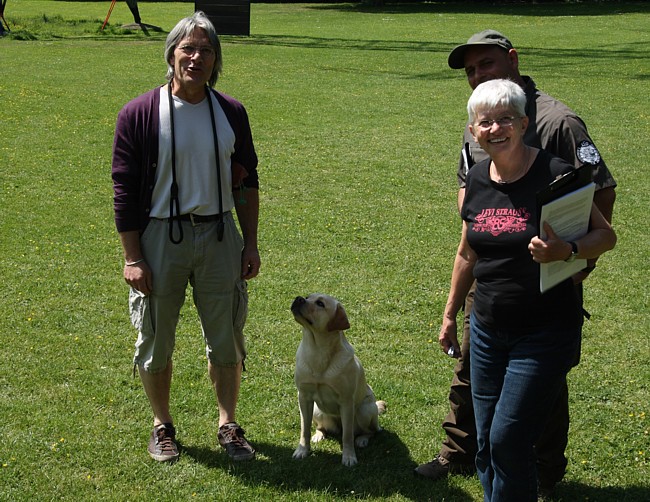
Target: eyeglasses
{"points": [[502, 121], [205, 51]]}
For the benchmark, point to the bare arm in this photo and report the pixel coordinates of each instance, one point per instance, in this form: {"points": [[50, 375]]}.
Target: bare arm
{"points": [[462, 277], [248, 217], [461, 197], [600, 238], [137, 273], [604, 200]]}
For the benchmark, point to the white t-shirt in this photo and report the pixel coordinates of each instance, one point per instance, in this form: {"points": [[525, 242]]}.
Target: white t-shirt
{"points": [[196, 169]]}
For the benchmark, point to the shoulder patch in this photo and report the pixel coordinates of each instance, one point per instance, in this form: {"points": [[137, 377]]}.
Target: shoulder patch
{"points": [[588, 153]]}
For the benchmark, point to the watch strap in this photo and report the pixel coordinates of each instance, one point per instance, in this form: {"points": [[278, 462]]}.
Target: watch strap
{"points": [[574, 252]]}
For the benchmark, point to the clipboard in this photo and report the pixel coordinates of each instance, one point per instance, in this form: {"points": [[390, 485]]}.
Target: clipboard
{"points": [[567, 183], [567, 202]]}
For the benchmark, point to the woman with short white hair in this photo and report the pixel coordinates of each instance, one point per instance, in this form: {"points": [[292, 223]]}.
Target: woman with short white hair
{"points": [[523, 342]]}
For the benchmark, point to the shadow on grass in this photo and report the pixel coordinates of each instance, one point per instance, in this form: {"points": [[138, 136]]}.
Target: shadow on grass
{"points": [[309, 42], [578, 491], [557, 59], [505, 7], [634, 50], [56, 27], [385, 469]]}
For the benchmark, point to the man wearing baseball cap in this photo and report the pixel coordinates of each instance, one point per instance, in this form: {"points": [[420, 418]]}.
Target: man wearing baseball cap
{"points": [[556, 128]]}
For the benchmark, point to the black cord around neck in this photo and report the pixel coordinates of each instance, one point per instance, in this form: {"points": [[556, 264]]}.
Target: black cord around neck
{"points": [[174, 200], [220, 224]]}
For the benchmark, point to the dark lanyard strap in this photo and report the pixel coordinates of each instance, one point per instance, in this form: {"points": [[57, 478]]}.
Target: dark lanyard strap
{"points": [[174, 201], [220, 224]]}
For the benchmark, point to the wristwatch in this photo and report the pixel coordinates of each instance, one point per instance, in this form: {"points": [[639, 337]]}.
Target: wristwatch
{"points": [[574, 252]]}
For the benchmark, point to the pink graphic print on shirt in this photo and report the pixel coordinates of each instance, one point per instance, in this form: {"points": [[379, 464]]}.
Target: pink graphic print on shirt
{"points": [[497, 221]]}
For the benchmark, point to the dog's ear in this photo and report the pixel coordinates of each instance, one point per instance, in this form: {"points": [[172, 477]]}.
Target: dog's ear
{"points": [[339, 321]]}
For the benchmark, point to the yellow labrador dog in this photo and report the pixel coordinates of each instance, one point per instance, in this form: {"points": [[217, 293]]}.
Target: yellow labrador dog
{"points": [[332, 388]]}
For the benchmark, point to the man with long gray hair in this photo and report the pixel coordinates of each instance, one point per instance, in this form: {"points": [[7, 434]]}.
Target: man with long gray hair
{"points": [[183, 159]]}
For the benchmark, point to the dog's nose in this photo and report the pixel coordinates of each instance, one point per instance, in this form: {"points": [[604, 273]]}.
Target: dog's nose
{"points": [[298, 302]]}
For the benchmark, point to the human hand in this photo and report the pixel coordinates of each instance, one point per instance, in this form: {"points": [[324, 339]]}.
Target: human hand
{"points": [[250, 263], [139, 276], [551, 249], [448, 338]]}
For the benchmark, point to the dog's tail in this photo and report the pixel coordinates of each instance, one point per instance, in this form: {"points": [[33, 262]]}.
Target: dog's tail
{"points": [[381, 407]]}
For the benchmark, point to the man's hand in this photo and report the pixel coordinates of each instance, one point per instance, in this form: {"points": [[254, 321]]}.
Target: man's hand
{"points": [[250, 262], [139, 277]]}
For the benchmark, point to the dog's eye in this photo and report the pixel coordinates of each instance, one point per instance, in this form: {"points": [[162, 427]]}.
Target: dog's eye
{"points": [[320, 303]]}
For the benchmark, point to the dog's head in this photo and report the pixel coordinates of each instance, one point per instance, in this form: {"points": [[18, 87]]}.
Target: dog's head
{"points": [[320, 313]]}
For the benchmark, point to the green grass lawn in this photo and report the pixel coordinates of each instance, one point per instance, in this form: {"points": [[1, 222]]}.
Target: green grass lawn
{"points": [[357, 121]]}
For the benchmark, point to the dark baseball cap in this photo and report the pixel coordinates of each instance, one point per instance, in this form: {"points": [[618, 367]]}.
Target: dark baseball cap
{"points": [[486, 37]]}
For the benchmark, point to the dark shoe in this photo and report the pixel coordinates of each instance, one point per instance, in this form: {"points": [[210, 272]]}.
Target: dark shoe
{"points": [[545, 492], [162, 445], [440, 468], [231, 437]]}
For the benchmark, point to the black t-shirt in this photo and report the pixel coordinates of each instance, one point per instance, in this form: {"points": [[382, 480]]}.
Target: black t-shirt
{"points": [[502, 219]]}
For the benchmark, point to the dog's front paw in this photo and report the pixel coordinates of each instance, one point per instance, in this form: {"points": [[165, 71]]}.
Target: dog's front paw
{"points": [[301, 452], [349, 460], [362, 441], [319, 436]]}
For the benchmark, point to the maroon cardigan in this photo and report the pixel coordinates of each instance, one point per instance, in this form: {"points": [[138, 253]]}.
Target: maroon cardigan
{"points": [[135, 156]]}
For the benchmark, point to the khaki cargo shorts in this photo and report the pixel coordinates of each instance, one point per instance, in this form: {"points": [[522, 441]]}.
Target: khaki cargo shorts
{"points": [[212, 268]]}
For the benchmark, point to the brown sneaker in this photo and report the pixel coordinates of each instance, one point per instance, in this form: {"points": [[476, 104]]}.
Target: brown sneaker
{"points": [[162, 445], [440, 468], [231, 437]]}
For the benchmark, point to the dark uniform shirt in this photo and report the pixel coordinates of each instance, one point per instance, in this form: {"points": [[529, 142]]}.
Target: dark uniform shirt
{"points": [[553, 127]]}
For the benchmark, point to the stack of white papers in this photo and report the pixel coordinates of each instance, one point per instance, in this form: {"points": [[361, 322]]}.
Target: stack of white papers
{"points": [[569, 217]]}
